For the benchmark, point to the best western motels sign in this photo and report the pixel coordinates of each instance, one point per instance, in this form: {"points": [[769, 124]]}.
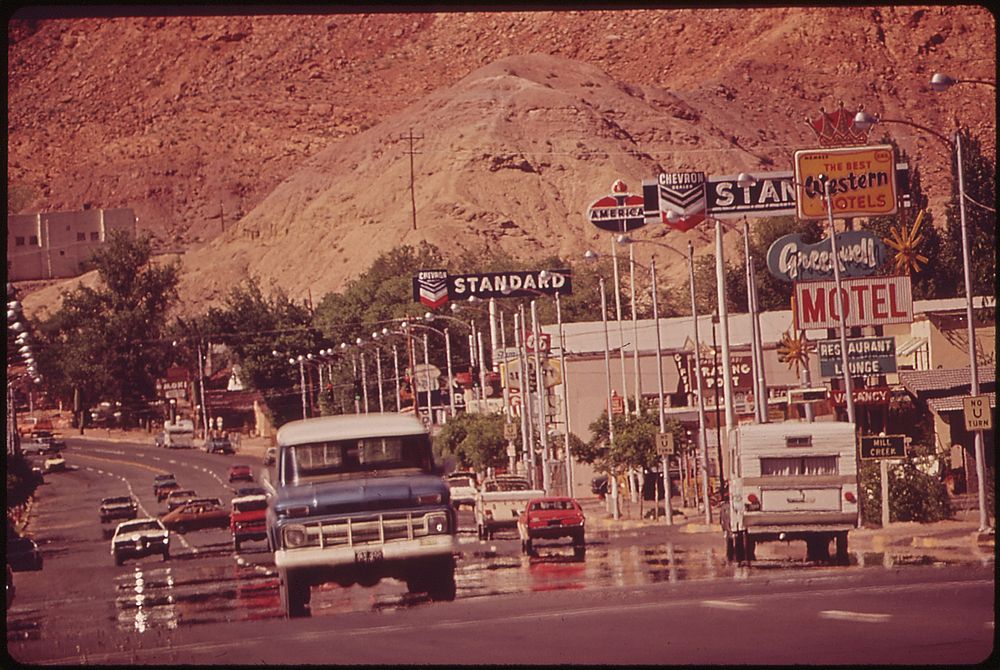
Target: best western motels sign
{"points": [[870, 301], [861, 181]]}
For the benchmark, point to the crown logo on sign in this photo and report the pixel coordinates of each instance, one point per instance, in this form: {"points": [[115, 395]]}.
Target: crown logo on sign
{"points": [[837, 129], [619, 187]]}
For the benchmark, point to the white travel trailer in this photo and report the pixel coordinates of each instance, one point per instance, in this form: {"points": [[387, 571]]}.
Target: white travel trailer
{"points": [[791, 481]]}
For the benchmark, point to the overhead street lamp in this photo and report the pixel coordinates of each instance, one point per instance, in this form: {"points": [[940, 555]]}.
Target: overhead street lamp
{"points": [[406, 325], [864, 120], [942, 82], [703, 451]]}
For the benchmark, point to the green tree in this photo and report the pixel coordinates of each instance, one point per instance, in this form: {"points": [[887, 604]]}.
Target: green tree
{"points": [[254, 325], [935, 279], [979, 177], [107, 341], [474, 441]]}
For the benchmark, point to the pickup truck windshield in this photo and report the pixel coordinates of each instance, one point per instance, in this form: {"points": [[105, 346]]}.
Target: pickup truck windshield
{"points": [[370, 454]]}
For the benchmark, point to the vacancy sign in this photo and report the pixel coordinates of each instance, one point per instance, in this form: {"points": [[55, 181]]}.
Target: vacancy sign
{"points": [[977, 413], [870, 301], [862, 181]]}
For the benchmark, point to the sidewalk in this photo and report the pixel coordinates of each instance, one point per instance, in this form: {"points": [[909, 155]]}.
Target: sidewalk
{"points": [[961, 531]]}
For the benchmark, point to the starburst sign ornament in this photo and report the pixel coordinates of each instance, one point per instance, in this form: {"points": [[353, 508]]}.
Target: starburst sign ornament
{"points": [[905, 242], [794, 350]]}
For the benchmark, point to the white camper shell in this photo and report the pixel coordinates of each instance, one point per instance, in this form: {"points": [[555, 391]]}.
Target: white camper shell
{"points": [[789, 481]]}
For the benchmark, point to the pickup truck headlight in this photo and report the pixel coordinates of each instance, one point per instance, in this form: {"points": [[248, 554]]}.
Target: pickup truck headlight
{"points": [[437, 524], [295, 536]]}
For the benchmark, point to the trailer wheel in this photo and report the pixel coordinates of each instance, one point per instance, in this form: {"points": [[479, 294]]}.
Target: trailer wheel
{"points": [[730, 547], [842, 558]]}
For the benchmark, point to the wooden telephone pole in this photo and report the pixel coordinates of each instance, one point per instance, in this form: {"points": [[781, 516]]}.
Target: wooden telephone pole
{"points": [[411, 151]]}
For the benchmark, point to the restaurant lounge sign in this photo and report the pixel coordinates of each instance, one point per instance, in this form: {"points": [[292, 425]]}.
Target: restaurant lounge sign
{"points": [[868, 301]]}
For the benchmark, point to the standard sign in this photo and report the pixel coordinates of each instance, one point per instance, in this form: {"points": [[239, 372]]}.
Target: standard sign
{"points": [[977, 413], [435, 287], [861, 181], [883, 446], [865, 356], [871, 301]]}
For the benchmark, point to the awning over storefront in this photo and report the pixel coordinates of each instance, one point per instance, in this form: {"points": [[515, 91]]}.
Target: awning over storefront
{"points": [[911, 345], [953, 403]]}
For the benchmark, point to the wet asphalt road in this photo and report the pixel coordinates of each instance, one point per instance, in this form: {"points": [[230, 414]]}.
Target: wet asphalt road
{"points": [[81, 608]]}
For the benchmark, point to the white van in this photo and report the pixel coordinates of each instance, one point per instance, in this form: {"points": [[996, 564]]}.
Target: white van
{"points": [[791, 481]]}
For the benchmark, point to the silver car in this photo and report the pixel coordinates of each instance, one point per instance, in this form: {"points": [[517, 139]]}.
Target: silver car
{"points": [[138, 538]]}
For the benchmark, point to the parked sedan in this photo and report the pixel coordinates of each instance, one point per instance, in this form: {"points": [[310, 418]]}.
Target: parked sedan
{"points": [[197, 514], [23, 554], [138, 538], [551, 518], [240, 473]]}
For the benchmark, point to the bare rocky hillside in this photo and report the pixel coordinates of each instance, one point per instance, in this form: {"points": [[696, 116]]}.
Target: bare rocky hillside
{"points": [[285, 129]]}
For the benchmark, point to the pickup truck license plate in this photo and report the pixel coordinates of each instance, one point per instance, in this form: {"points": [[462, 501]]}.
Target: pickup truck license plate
{"points": [[368, 556]]}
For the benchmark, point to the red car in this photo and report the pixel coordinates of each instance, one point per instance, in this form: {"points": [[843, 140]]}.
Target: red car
{"points": [[551, 518], [248, 520], [197, 514], [240, 473]]}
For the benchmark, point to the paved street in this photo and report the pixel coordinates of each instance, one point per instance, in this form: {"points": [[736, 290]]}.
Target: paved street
{"points": [[642, 593]]}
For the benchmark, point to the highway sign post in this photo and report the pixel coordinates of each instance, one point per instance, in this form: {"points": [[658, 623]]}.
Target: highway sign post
{"points": [[882, 448]]}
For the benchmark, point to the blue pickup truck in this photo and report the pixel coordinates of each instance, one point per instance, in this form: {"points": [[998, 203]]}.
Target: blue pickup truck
{"points": [[358, 498]]}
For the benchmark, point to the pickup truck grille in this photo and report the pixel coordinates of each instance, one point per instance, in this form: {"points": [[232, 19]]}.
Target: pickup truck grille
{"points": [[363, 530]]}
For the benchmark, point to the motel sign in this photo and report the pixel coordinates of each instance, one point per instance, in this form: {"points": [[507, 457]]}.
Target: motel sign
{"points": [[870, 301]]}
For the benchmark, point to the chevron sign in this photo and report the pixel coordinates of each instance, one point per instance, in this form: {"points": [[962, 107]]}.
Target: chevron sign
{"points": [[684, 194], [430, 287]]}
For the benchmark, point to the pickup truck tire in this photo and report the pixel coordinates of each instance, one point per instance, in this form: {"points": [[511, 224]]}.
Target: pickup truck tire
{"points": [[166, 554], [527, 547], [441, 580], [481, 532], [118, 559], [181, 528], [295, 595], [579, 540], [236, 543]]}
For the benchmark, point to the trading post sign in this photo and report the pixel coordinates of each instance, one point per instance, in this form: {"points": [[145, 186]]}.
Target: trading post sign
{"points": [[435, 287], [861, 181], [870, 301], [712, 374], [865, 356], [861, 252]]}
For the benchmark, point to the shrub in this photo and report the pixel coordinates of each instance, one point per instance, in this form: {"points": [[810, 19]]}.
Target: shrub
{"points": [[913, 495]]}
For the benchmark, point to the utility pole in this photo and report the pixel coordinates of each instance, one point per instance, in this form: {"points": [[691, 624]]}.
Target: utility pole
{"points": [[411, 151]]}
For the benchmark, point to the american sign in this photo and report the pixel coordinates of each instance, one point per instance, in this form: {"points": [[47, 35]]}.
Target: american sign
{"points": [[772, 194], [619, 211], [871, 301], [860, 178], [435, 287], [865, 356]]}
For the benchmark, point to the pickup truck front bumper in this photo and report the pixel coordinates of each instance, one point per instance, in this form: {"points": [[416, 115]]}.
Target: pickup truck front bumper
{"points": [[361, 554]]}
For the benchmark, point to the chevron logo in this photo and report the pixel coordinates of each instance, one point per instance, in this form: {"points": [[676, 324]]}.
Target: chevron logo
{"points": [[430, 287], [682, 193]]}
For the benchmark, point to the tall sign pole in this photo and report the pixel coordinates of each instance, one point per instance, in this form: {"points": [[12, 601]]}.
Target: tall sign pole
{"points": [[611, 424], [659, 382]]}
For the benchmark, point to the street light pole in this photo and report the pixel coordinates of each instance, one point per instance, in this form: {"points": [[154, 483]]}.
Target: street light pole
{"points": [[565, 390], [842, 298], [667, 509], [611, 424], [542, 409], [618, 318], [973, 362]]}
